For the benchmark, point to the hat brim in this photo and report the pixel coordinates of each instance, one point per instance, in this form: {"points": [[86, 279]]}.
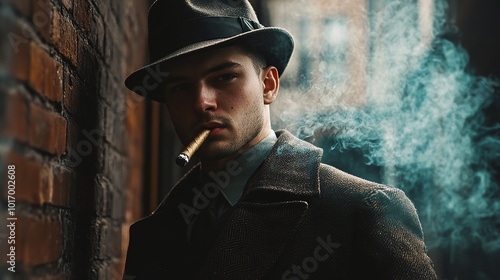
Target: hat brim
{"points": [[275, 44]]}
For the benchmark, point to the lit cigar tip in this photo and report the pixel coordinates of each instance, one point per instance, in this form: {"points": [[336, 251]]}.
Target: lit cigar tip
{"points": [[182, 159]]}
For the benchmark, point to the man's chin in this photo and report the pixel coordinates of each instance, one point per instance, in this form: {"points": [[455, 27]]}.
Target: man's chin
{"points": [[216, 151]]}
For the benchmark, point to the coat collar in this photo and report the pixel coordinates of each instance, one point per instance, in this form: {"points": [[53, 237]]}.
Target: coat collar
{"points": [[266, 217], [292, 167]]}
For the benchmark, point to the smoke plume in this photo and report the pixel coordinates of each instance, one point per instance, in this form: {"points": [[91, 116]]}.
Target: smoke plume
{"points": [[422, 120]]}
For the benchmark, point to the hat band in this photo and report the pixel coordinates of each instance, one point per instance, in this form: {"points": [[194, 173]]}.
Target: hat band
{"points": [[195, 31]]}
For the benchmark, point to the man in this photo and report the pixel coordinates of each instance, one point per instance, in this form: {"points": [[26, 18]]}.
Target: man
{"points": [[260, 205]]}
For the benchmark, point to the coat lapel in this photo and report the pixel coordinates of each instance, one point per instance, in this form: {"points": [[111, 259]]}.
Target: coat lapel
{"points": [[252, 240], [272, 206]]}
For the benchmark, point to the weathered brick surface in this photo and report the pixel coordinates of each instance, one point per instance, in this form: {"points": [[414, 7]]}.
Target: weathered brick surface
{"points": [[88, 66], [39, 183], [16, 118], [42, 17], [60, 276], [25, 7], [42, 240], [29, 175], [115, 130], [77, 134], [101, 197], [47, 130], [5, 248], [46, 74], [68, 4], [64, 37], [19, 41], [116, 242], [81, 13], [97, 33], [80, 100], [60, 187]]}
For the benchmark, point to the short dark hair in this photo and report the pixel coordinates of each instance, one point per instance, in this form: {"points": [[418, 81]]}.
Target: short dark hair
{"points": [[259, 62]]}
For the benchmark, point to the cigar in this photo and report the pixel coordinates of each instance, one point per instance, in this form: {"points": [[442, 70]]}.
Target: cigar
{"points": [[184, 157]]}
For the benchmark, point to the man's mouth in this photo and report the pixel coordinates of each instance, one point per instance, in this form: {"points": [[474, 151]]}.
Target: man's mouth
{"points": [[214, 126], [217, 131]]}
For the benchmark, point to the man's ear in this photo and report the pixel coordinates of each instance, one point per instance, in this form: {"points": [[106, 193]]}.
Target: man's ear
{"points": [[270, 83]]}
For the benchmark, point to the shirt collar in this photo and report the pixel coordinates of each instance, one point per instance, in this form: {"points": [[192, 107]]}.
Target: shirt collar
{"points": [[245, 165]]}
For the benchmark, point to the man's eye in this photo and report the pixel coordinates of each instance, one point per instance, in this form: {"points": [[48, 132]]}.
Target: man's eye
{"points": [[178, 88], [227, 77]]}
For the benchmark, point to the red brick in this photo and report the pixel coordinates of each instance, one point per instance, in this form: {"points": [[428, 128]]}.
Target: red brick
{"points": [[79, 100], [54, 82], [60, 191], [16, 118], [39, 183], [42, 17], [68, 4], [47, 130], [5, 248], [116, 242], [88, 66], [46, 73], [28, 178], [116, 128], [81, 14], [64, 37], [97, 32], [135, 122], [24, 6], [72, 142], [20, 43], [38, 59], [72, 88], [51, 277], [134, 189], [42, 240]]}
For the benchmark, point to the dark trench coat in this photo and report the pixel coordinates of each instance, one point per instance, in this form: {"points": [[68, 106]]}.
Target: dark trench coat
{"points": [[297, 219]]}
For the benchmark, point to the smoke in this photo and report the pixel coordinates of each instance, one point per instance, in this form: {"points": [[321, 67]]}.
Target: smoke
{"points": [[6, 15], [6, 86], [421, 119]]}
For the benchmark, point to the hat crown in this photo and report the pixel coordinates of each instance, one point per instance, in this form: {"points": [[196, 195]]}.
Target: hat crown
{"points": [[175, 12], [181, 27], [174, 24]]}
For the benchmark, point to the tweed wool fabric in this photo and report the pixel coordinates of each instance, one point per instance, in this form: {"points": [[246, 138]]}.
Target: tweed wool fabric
{"points": [[297, 219]]}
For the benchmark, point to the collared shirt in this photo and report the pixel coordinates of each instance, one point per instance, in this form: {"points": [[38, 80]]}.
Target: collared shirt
{"points": [[231, 182], [245, 165]]}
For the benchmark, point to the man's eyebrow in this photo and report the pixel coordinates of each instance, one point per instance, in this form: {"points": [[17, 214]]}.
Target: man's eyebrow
{"points": [[172, 80], [219, 67], [223, 66]]}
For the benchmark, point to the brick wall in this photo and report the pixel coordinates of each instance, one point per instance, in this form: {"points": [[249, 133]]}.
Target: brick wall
{"points": [[74, 133]]}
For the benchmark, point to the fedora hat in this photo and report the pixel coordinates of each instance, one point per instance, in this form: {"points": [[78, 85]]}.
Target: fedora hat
{"points": [[181, 27]]}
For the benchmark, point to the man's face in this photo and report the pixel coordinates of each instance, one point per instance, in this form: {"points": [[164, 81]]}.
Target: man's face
{"points": [[218, 89]]}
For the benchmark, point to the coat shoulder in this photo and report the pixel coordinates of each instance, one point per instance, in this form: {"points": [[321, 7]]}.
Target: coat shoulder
{"points": [[337, 183], [340, 186]]}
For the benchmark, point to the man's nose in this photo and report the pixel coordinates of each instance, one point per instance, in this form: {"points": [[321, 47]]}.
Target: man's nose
{"points": [[206, 99]]}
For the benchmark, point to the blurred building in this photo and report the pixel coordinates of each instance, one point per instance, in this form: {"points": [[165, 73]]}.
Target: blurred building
{"points": [[341, 55]]}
